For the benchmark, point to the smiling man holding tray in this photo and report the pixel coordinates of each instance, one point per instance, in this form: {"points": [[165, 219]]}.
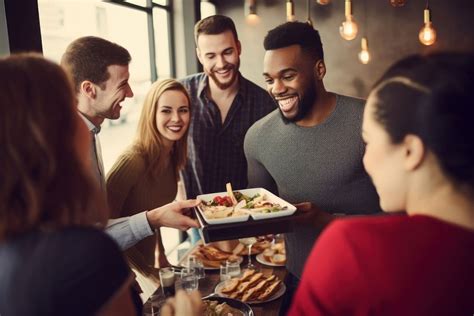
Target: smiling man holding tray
{"points": [[310, 149]]}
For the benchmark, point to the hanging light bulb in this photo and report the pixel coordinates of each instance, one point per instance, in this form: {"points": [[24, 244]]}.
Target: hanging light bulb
{"points": [[323, 2], [308, 12], [397, 3], [427, 33], [251, 16], [364, 55], [290, 11], [348, 29]]}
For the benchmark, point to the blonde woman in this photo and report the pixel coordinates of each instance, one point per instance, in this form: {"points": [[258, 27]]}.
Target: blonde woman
{"points": [[146, 175]]}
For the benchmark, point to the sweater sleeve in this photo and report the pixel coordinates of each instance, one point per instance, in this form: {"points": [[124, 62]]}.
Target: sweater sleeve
{"points": [[121, 179], [333, 281]]}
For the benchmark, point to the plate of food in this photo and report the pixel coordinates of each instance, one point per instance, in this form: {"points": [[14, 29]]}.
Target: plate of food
{"points": [[252, 288], [274, 256], [216, 305], [237, 206], [211, 257]]}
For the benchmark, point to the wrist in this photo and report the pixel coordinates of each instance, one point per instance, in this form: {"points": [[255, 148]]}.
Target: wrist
{"points": [[154, 218]]}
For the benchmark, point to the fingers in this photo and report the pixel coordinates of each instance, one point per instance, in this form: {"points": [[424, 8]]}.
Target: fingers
{"points": [[188, 203], [168, 309], [196, 300], [305, 206], [187, 223]]}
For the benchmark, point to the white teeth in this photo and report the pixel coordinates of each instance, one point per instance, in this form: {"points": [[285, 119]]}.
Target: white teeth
{"points": [[175, 128], [288, 103]]}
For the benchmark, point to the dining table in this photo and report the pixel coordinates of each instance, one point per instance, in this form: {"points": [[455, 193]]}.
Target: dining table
{"points": [[208, 284]]}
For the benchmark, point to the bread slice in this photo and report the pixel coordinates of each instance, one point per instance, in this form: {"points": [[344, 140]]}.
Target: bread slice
{"points": [[255, 278], [247, 274], [230, 285], [278, 259], [212, 253], [270, 290]]}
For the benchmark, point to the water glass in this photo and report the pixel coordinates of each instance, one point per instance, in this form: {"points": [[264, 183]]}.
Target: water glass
{"points": [[189, 279], [223, 272], [197, 265], [233, 268]]}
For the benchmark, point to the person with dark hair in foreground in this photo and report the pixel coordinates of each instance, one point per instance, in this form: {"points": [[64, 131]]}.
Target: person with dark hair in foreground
{"points": [[419, 153], [310, 149], [54, 257]]}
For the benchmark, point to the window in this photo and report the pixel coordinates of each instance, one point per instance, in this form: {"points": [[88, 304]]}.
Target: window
{"points": [[126, 24]]}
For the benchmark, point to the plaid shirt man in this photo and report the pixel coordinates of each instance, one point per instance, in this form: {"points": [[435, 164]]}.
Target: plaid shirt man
{"points": [[215, 149]]}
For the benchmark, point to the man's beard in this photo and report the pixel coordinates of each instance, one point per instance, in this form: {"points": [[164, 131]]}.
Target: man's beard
{"points": [[225, 85], [304, 106]]}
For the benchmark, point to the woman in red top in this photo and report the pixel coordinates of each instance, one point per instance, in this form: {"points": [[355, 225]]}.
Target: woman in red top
{"points": [[420, 152]]}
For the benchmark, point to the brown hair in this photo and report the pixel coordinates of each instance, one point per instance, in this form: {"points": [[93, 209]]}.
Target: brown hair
{"points": [[87, 58], [214, 24], [149, 141], [44, 184]]}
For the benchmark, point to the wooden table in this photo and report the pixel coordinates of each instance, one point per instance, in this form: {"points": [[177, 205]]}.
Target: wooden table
{"points": [[207, 285]]}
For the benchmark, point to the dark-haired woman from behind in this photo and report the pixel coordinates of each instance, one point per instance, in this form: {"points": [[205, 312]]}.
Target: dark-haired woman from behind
{"points": [[54, 258], [420, 155]]}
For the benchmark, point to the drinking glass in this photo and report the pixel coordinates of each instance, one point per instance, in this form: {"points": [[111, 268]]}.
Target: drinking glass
{"points": [[233, 268], [197, 265], [249, 241], [167, 281], [189, 279], [223, 272]]}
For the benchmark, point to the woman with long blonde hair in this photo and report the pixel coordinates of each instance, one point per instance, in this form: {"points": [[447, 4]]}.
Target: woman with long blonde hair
{"points": [[146, 175]]}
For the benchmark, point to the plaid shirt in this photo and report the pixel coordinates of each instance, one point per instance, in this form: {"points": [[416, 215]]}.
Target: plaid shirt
{"points": [[215, 149]]}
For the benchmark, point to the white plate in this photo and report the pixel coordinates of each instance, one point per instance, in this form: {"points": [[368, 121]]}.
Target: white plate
{"points": [[256, 216], [260, 258], [276, 295]]}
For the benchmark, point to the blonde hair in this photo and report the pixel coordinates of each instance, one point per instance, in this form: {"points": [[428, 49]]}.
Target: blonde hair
{"points": [[149, 141], [44, 183]]}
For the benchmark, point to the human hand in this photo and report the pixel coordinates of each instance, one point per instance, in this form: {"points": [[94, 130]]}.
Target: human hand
{"points": [[312, 215], [183, 304], [171, 215]]}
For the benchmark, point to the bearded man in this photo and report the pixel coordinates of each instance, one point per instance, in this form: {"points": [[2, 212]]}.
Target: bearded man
{"points": [[310, 148]]}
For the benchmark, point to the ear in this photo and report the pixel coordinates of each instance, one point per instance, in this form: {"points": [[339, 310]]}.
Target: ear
{"points": [[239, 47], [88, 88], [414, 152], [319, 69], [198, 54]]}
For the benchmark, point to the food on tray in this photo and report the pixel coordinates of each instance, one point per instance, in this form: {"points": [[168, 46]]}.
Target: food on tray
{"points": [[251, 286], [212, 257], [237, 204], [213, 308]]}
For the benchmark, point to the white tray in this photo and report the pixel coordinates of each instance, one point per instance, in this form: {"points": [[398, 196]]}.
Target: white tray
{"points": [[256, 216]]}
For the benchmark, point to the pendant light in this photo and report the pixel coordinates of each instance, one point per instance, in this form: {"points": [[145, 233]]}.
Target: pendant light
{"points": [[323, 2], [348, 29], [364, 55], [308, 12], [251, 16], [427, 33], [290, 11]]}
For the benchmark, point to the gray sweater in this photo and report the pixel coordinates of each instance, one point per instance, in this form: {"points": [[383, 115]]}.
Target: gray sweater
{"points": [[320, 164]]}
